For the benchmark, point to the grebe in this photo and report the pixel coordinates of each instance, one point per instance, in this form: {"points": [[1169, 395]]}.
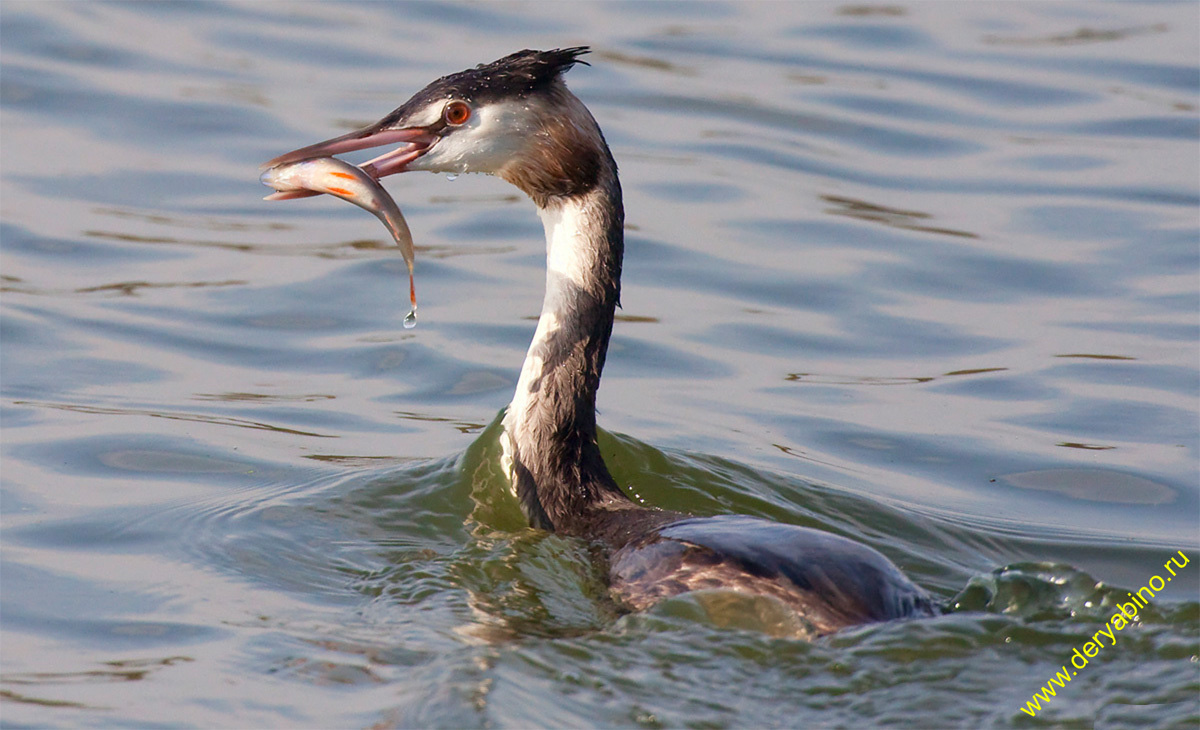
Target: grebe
{"points": [[514, 118]]}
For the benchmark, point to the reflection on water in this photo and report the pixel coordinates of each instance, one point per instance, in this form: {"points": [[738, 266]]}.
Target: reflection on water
{"points": [[920, 275], [1080, 35], [912, 220], [1094, 484]]}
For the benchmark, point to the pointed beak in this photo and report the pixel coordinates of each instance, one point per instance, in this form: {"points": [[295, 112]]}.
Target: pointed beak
{"points": [[416, 141]]}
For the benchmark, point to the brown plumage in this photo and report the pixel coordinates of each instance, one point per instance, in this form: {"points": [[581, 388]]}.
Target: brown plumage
{"points": [[526, 127]]}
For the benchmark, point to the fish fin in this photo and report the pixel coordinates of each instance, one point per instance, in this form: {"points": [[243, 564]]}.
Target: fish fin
{"points": [[291, 195]]}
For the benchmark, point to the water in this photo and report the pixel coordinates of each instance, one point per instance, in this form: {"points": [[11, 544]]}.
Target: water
{"points": [[924, 275]]}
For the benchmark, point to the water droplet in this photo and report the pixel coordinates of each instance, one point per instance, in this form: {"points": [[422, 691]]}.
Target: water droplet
{"points": [[452, 176], [410, 320]]}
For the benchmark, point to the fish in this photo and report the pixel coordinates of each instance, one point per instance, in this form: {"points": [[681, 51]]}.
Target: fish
{"points": [[340, 179]]}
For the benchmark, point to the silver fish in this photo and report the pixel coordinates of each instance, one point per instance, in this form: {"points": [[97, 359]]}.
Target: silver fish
{"points": [[341, 179]]}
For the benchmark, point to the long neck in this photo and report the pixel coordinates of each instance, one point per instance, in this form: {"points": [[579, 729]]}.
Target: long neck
{"points": [[550, 426]]}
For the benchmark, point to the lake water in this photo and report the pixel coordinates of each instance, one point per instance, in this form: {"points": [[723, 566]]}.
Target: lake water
{"points": [[926, 275]]}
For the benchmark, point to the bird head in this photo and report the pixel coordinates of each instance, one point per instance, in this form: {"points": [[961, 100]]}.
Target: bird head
{"points": [[514, 118]]}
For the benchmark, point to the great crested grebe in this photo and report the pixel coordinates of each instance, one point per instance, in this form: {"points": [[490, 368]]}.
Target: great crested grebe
{"points": [[515, 118]]}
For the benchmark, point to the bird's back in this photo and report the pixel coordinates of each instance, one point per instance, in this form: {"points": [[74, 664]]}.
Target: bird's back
{"points": [[831, 582]]}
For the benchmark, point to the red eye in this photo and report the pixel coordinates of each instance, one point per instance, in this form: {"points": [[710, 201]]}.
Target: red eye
{"points": [[456, 113]]}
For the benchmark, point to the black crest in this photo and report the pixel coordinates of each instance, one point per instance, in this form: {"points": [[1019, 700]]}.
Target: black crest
{"points": [[514, 76], [519, 73]]}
